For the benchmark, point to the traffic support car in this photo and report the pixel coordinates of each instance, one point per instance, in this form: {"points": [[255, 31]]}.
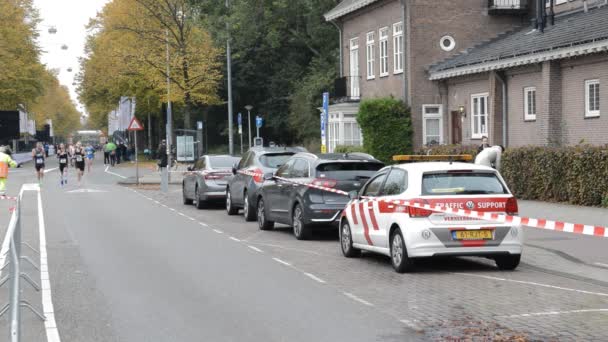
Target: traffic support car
{"points": [[374, 222], [285, 197]]}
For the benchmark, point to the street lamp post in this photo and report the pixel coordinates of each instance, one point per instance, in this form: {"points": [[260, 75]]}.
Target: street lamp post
{"points": [[249, 108], [229, 71], [165, 171]]}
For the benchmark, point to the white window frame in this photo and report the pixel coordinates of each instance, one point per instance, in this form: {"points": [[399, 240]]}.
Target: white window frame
{"points": [[481, 133], [592, 113], [355, 87], [383, 51], [438, 115], [398, 48], [370, 55], [528, 116]]}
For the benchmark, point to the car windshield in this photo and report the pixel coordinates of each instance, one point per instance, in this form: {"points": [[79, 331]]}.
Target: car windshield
{"points": [[348, 170], [462, 183], [222, 162], [274, 160]]}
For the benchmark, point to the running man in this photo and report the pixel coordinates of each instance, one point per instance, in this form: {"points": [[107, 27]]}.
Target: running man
{"points": [[5, 162], [90, 152], [38, 157], [79, 156], [63, 157]]}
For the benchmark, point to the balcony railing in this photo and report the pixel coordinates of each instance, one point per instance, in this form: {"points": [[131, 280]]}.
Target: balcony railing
{"points": [[508, 6], [347, 88]]}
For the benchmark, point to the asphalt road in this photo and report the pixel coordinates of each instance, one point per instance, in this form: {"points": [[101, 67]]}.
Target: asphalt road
{"points": [[136, 265]]}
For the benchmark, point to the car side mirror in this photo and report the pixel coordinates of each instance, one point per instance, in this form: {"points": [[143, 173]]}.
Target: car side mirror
{"points": [[269, 176], [353, 195]]}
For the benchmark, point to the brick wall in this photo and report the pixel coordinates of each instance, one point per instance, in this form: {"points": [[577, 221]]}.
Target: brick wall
{"points": [[372, 18], [465, 20], [521, 132], [574, 74], [459, 94]]}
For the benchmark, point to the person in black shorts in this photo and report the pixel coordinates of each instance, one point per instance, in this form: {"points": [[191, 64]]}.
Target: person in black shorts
{"points": [[63, 157], [79, 160], [38, 157]]}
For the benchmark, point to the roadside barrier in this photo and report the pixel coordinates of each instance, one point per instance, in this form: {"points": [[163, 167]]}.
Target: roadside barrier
{"points": [[575, 228], [15, 274]]}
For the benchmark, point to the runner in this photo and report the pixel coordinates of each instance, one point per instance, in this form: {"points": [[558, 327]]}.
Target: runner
{"points": [[63, 157], [79, 158], [90, 152], [38, 157]]}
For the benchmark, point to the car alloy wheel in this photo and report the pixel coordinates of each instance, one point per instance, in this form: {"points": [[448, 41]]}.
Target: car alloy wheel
{"points": [[399, 258], [347, 242], [248, 212], [300, 230], [230, 209], [246, 206], [263, 223], [397, 249], [197, 200]]}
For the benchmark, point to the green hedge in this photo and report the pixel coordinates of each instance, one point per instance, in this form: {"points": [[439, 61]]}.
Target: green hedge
{"points": [[386, 126], [576, 175], [348, 149]]}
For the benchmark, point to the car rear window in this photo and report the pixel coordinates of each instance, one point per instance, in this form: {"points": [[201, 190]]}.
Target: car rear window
{"points": [[348, 170], [462, 183], [274, 160], [222, 162]]}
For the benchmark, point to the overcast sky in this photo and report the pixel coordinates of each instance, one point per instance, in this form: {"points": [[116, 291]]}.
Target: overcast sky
{"points": [[70, 18]]}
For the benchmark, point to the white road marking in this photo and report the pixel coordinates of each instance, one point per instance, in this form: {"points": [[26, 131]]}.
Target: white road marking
{"points": [[114, 174], [202, 224], [234, 239], [52, 333], [49, 170], [157, 202], [171, 209], [218, 231], [85, 191], [182, 214], [552, 313], [533, 284], [314, 277], [190, 218], [164, 205], [255, 249], [355, 298], [601, 264], [411, 323], [281, 261]]}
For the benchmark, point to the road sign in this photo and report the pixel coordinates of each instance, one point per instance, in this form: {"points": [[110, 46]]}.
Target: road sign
{"points": [[259, 121], [199, 125], [240, 123], [258, 141], [324, 117], [135, 125]]}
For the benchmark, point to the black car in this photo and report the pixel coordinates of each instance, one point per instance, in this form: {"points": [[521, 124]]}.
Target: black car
{"points": [[242, 189], [206, 180], [301, 206]]}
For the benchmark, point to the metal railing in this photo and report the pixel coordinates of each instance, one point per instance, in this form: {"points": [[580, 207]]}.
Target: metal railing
{"points": [[15, 274], [508, 4]]}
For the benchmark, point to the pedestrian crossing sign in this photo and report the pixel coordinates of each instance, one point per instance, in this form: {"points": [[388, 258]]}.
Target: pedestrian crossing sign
{"points": [[135, 125]]}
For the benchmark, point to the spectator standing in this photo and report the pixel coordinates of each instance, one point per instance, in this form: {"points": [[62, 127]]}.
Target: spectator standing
{"points": [[162, 155], [5, 162], [484, 144], [106, 154]]}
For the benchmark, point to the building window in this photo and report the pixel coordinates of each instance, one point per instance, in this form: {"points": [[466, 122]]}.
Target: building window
{"points": [[530, 104], [447, 43], [398, 47], [370, 56], [592, 98], [479, 115], [343, 130], [432, 124], [383, 51], [354, 68]]}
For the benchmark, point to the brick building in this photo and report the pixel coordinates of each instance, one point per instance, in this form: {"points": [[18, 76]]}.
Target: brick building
{"points": [[461, 64]]}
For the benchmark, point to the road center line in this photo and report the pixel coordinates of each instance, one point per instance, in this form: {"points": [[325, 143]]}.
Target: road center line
{"points": [[281, 261], [203, 224], [355, 298], [255, 249], [533, 284], [314, 277], [218, 231], [234, 239], [52, 333], [601, 264], [552, 313]]}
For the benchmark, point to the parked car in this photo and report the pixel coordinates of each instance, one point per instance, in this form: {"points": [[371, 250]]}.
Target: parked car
{"points": [[408, 233], [206, 180], [301, 206], [242, 189]]}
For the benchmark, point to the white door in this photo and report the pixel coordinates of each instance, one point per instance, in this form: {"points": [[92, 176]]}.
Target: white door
{"points": [[354, 68]]}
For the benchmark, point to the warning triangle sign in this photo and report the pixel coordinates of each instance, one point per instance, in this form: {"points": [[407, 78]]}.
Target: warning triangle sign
{"points": [[135, 125]]}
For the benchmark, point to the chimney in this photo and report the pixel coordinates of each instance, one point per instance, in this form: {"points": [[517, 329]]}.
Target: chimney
{"points": [[585, 6], [540, 15], [551, 12]]}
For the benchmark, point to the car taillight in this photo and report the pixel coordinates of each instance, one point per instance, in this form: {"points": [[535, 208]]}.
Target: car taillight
{"points": [[512, 207], [214, 176], [259, 175], [419, 212], [327, 183]]}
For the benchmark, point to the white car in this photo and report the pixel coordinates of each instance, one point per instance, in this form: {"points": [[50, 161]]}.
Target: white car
{"points": [[373, 223]]}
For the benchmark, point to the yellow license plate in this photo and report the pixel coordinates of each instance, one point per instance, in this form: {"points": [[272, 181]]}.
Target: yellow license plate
{"points": [[472, 234]]}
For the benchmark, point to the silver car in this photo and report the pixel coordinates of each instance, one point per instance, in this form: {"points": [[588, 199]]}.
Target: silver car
{"points": [[206, 180]]}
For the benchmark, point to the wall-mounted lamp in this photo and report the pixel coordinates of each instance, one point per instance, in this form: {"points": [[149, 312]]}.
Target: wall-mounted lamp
{"points": [[462, 111]]}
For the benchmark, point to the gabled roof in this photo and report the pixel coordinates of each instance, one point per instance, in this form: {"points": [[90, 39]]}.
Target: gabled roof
{"points": [[345, 7], [573, 34]]}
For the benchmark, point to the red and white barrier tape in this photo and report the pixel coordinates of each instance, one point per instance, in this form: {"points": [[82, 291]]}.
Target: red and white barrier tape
{"points": [[496, 217], [9, 198]]}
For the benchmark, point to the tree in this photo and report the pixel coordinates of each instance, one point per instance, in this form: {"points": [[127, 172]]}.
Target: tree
{"points": [[129, 38]]}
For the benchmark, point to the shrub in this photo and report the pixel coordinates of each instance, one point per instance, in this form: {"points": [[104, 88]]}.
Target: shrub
{"points": [[448, 149], [348, 149], [577, 175], [386, 126]]}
